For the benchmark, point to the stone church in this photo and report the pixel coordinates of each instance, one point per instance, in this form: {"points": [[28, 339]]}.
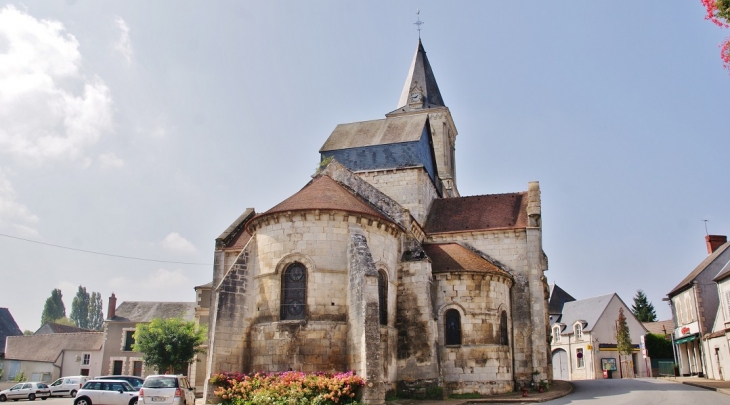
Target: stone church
{"points": [[380, 266]]}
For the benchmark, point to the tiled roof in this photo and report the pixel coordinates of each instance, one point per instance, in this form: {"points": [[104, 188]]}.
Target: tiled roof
{"points": [[52, 327], [558, 298], [323, 193], [8, 327], [452, 257], [699, 269], [143, 311], [660, 328], [47, 348], [476, 213], [377, 132]]}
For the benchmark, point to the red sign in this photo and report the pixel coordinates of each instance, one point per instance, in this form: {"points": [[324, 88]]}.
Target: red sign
{"points": [[684, 330]]}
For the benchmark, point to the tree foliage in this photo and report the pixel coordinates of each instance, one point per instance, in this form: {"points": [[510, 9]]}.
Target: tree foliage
{"points": [[64, 321], [718, 11], [642, 309], [96, 316], [54, 308], [658, 347], [80, 308], [623, 337], [169, 345]]}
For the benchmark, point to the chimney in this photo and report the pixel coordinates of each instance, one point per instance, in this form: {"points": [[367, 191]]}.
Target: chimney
{"points": [[113, 306], [714, 242]]}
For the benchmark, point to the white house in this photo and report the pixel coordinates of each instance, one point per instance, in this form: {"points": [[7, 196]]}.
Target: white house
{"points": [[584, 340], [694, 303], [715, 344], [46, 357]]}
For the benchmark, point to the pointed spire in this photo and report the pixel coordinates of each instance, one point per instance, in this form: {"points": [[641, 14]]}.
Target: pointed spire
{"points": [[420, 90]]}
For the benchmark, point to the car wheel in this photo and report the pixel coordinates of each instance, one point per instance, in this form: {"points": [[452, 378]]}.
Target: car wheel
{"points": [[43, 399], [82, 401], [3, 398], [31, 397], [133, 401], [72, 393]]}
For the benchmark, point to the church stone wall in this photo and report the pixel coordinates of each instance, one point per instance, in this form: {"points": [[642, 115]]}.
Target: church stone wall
{"points": [[410, 187], [481, 363]]}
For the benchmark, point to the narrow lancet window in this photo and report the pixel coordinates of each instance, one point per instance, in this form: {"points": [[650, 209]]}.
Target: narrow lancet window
{"points": [[452, 327], [294, 292]]}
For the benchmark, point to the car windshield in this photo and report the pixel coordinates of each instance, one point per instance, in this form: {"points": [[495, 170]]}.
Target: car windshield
{"points": [[160, 382]]}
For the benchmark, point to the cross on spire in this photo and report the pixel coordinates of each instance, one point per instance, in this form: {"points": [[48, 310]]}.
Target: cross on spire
{"points": [[418, 22]]}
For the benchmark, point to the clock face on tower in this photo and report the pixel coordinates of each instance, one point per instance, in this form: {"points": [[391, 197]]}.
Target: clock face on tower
{"points": [[415, 97]]}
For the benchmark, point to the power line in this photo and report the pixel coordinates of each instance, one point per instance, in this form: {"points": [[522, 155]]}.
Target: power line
{"points": [[103, 254]]}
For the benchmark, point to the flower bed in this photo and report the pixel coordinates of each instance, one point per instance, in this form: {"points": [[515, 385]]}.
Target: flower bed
{"points": [[287, 388]]}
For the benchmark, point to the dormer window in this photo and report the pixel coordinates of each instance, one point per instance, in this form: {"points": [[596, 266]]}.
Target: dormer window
{"points": [[556, 334], [578, 329]]}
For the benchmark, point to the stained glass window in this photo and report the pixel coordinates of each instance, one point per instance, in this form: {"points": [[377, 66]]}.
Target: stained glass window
{"points": [[452, 326], [503, 330], [294, 292]]}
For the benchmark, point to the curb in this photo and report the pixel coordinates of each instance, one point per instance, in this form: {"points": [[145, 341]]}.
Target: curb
{"points": [[523, 399], [699, 385]]}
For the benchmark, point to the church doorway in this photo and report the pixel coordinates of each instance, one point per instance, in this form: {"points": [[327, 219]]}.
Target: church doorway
{"points": [[560, 365]]}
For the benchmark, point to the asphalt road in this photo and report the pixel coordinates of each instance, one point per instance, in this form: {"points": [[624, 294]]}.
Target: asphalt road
{"points": [[639, 391]]}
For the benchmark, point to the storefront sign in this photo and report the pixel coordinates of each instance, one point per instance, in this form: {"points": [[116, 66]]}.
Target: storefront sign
{"points": [[686, 330]]}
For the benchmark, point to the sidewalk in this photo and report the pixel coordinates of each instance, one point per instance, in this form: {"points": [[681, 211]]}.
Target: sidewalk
{"points": [[722, 387], [558, 389]]}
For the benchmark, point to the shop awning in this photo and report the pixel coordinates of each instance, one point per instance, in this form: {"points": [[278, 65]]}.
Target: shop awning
{"points": [[685, 339]]}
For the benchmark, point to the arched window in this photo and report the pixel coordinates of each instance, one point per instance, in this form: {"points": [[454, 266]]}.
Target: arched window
{"points": [[452, 327], [503, 331], [383, 297], [294, 292], [578, 329], [556, 334]]}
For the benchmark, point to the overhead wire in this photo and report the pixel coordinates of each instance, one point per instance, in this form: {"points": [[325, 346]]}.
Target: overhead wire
{"points": [[104, 254]]}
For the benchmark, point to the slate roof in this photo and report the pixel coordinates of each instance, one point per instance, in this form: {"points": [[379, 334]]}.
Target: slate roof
{"points": [[661, 327], [236, 236], [145, 311], [421, 75], [323, 193], [558, 297], [699, 269], [8, 327], [476, 213], [377, 132], [724, 272], [452, 257], [52, 327], [48, 347], [588, 310]]}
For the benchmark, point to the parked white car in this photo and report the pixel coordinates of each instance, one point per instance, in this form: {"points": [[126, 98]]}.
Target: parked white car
{"points": [[106, 392], [166, 389], [67, 385], [26, 390]]}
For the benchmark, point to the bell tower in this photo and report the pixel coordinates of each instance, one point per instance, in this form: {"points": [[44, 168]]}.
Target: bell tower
{"points": [[421, 95]]}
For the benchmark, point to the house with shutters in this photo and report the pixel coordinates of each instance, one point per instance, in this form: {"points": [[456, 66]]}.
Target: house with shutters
{"points": [[695, 302], [380, 266]]}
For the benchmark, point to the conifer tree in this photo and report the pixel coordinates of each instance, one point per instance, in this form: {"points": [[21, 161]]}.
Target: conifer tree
{"points": [[623, 338], [96, 316], [54, 308], [642, 309], [80, 308]]}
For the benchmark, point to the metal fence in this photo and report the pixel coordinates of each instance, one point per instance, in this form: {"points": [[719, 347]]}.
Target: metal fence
{"points": [[666, 368]]}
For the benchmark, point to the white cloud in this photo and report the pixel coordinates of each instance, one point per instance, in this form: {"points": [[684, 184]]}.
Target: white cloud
{"points": [[163, 278], [110, 160], [11, 211], [176, 243], [124, 44], [119, 283], [48, 109]]}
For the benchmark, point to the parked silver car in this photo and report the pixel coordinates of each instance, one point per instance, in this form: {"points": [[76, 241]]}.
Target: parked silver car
{"points": [[106, 392], [26, 390], [166, 389]]}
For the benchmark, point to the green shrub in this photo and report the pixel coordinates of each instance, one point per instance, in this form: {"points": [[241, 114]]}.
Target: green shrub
{"points": [[20, 377]]}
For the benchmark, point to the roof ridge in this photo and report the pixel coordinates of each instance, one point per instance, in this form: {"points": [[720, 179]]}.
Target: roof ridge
{"points": [[487, 195]]}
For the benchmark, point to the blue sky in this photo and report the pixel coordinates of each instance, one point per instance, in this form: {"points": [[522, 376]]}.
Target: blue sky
{"points": [[145, 128]]}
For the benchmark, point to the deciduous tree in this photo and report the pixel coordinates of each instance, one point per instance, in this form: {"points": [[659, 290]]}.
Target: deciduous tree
{"points": [[169, 345], [54, 308], [642, 309], [96, 316], [623, 338], [80, 308]]}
